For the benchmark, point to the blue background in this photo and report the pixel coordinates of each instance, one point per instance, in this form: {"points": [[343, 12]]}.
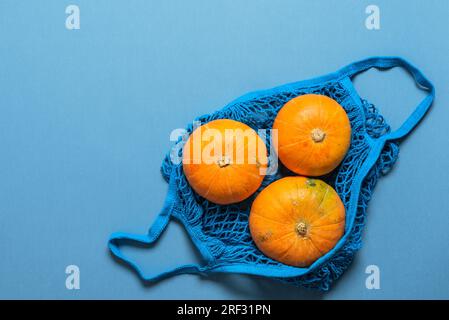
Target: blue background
{"points": [[85, 118]]}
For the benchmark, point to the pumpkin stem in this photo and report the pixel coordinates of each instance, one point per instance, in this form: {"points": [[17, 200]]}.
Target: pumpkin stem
{"points": [[224, 161], [318, 135], [301, 229]]}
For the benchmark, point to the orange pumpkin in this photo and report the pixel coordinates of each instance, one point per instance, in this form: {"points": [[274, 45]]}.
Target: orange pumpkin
{"points": [[224, 161], [314, 134], [296, 220]]}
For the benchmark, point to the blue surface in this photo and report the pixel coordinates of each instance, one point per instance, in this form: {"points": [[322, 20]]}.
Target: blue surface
{"points": [[81, 145]]}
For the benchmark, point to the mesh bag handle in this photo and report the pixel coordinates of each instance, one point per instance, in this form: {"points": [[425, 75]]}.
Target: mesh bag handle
{"points": [[155, 231], [421, 81]]}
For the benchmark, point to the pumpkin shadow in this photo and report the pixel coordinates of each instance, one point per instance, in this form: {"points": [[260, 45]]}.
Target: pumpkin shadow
{"points": [[254, 287]]}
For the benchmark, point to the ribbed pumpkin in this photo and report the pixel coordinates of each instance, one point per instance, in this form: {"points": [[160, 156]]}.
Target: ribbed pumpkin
{"points": [[314, 134], [224, 161], [296, 220]]}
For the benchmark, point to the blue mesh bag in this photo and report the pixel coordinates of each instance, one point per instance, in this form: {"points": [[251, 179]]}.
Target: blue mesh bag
{"points": [[221, 232]]}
